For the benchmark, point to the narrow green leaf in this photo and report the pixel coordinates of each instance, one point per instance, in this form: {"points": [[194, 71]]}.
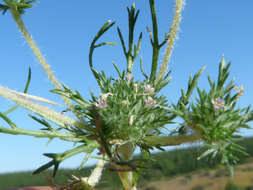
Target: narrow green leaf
{"points": [[117, 69], [142, 70], [7, 120], [122, 41]]}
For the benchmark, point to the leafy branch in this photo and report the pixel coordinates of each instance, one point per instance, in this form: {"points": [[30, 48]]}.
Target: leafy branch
{"points": [[15, 130], [25, 91], [18, 5], [93, 45], [131, 114], [133, 49], [215, 117], [60, 157], [154, 41]]}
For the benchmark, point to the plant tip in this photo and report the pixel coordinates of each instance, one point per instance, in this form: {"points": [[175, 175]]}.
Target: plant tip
{"points": [[133, 6]]}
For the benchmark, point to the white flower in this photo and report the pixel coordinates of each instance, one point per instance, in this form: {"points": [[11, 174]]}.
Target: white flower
{"points": [[150, 102], [101, 104], [218, 103], [102, 101], [104, 96], [149, 89], [129, 76]]}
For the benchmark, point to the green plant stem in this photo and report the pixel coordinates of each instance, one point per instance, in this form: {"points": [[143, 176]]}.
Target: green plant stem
{"points": [[126, 151], [77, 150], [130, 41], [133, 49], [40, 134], [172, 140], [17, 17], [25, 91], [93, 45], [60, 157], [172, 37], [155, 42], [131, 24]]}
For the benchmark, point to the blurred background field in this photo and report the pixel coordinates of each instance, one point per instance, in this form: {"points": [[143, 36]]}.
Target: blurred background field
{"points": [[176, 169]]}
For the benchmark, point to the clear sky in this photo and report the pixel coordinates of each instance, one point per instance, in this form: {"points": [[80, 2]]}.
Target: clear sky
{"points": [[64, 30]]}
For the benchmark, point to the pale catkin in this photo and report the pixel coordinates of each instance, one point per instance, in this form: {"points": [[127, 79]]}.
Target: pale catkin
{"points": [[35, 98], [96, 173], [38, 54], [43, 111], [172, 37]]}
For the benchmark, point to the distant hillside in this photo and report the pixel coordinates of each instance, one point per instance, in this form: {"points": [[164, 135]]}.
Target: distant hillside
{"points": [[166, 165], [203, 179]]}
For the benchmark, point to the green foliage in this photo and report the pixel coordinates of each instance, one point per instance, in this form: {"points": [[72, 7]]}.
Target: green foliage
{"points": [[18, 5], [198, 187], [215, 116], [25, 91], [132, 114], [154, 170], [231, 186], [133, 49]]}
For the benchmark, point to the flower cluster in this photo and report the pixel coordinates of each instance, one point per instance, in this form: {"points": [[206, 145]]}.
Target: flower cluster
{"points": [[129, 76], [218, 103], [102, 101], [215, 116], [128, 114], [149, 89], [150, 102]]}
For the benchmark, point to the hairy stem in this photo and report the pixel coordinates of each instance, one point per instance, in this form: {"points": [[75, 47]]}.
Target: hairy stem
{"points": [[43, 111], [172, 37], [172, 140], [17, 17], [40, 134], [126, 152]]}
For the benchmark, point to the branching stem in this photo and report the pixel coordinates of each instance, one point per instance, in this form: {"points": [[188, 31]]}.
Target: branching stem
{"points": [[154, 41], [40, 134], [126, 177], [172, 140]]}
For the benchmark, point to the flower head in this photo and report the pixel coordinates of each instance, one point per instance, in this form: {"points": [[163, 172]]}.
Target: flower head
{"points": [[218, 103], [102, 101], [149, 89], [150, 102], [129, 76]]}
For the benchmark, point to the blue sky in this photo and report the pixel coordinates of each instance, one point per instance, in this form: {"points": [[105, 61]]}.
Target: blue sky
{"points": [[209, 29]]}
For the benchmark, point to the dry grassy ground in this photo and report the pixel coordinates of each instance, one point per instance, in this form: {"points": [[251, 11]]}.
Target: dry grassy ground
{"points": [[206, 180]]}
